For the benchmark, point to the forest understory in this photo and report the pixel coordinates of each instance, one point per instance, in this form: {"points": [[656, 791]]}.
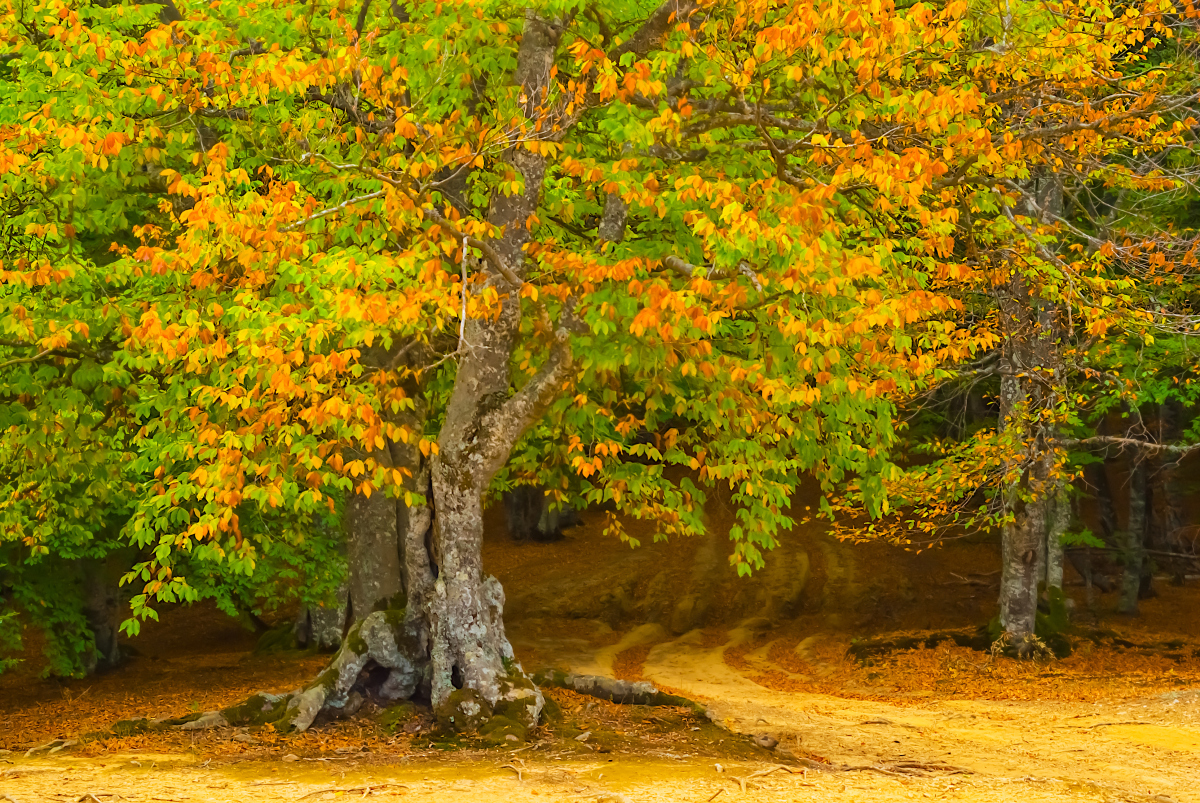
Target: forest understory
{"points": [[796, 708]]}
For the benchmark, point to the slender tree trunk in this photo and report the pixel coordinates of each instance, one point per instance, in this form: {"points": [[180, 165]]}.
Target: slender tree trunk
{"points": [[1022, 544], [1060, 520], [321, 627], [1031, 369], [1133, 546], [1021, 538], [1163, 522], [102, 609]]}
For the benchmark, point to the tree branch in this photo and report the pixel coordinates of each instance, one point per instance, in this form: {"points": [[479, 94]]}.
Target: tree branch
{"points": [[34, 358], [1133, 443], [654, 29], [489, 253], [508, 422]]}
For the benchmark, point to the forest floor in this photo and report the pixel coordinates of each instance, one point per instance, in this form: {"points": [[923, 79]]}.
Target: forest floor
{"points": [[1118, 720]]}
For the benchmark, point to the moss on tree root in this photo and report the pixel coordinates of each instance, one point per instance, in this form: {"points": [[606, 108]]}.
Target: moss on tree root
{"points": [[623, 692]]}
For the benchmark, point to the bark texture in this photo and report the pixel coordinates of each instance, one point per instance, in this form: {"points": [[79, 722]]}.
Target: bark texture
{"points": [[373, 548], [1060, 520], [1031, 370], [102, 609], [483, 423], [1133, 546], [321, 627]]}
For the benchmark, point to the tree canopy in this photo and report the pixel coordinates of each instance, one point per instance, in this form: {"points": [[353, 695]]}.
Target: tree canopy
{"points": [[269, 264]]}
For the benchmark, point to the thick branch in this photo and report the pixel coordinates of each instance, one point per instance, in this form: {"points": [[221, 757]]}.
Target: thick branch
{"points": [[654, 29], [508, 423], [1132, 443]]}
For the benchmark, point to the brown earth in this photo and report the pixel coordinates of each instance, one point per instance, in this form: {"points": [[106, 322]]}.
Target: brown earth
{"points": [[767, 654]]}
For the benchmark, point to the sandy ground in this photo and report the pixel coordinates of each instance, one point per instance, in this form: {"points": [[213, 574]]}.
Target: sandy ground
{"points": [[1106, 724], [1139, 749]]}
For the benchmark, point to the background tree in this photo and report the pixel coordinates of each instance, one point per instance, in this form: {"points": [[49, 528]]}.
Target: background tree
{"points": [[1071, 250]]}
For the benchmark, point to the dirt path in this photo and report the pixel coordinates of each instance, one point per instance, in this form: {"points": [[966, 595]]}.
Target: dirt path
{"points": [[1142, 751]]}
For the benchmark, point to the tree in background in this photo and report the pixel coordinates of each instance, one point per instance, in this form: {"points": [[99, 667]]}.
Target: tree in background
{"points": [[1075, 266]]}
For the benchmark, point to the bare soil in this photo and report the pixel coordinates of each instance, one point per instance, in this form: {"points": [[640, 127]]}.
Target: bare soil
{"points": [[1109, 723]]}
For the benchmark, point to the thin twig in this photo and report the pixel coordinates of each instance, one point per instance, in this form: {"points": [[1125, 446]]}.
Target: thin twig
{"points": [[19, 360], [370, 196], [366, 790]]}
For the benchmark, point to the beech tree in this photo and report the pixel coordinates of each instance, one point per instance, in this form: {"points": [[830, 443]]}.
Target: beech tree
{"points": [[373, 253], [1078, 266]]}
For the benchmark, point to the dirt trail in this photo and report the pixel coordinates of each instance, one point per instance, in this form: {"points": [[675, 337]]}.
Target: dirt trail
{"points": [[1145, 750], [1149, 747], [1106, 725]]}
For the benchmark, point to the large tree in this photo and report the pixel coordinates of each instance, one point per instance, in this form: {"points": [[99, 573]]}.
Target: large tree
{"points": [[364, 250], [377, 250]]}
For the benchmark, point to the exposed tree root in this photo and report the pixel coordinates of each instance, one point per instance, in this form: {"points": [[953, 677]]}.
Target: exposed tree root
{"points": [[52, 746], [622, 692], [900, 768], [869, 649], [384, 658]]}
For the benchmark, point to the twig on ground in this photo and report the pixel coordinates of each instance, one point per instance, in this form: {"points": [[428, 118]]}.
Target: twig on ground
{"points": [[517, 770], [778, 768], [366, 789], [916, 765], [714, 797]]}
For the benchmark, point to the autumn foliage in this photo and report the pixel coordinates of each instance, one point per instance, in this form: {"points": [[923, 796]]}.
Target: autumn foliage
{"points": [[252, 246]]}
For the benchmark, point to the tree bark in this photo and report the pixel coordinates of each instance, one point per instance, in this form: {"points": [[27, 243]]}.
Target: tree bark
{"points": [[1060, 520], [102, 609], [1024, 537], [373, 548], [462, 607], [1133, 541], [1031, 370], [321, 627]]}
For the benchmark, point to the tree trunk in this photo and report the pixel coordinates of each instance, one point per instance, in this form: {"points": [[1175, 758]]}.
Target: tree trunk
{"points": [[373, 548], [102, 609], [453, 604], [1022, 542], [321, 627], [1060, 520], [451, 635], [1133, 546], [1024, 538], [1031, 370]]}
